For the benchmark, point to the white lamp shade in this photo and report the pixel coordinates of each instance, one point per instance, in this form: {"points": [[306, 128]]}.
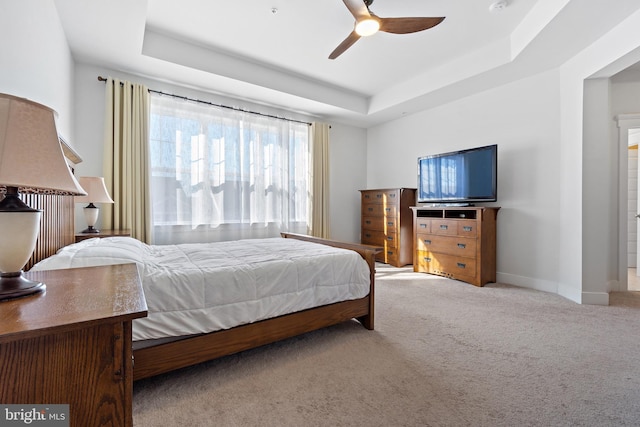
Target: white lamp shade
{"points": [[30, 153], [96, 190]]}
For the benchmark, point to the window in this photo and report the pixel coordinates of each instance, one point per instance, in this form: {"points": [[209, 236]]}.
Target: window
{"points": [[221, 174]]}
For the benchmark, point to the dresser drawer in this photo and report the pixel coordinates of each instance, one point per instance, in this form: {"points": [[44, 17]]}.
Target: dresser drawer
{"points": [[468, 228], [423, 225], [444, 226], [454, 245], [379, 209], [379, 238], [446, 265], [380, 223], [389, 197]]}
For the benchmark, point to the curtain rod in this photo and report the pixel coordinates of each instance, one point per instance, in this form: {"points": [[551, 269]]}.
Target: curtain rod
{"points": [[103, 79]]}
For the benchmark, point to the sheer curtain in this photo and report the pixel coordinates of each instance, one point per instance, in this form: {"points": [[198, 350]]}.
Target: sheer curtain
{"points": [[221, 174], [125, 167]]}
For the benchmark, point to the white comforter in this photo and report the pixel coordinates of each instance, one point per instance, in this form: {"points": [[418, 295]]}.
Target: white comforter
{"points": [[204, 287]]}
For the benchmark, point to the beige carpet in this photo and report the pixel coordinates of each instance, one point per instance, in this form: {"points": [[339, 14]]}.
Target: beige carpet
{"points": [[444, 353]]}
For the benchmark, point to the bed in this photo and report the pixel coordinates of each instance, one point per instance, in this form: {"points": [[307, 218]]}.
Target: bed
{"points": [[192, 323]]}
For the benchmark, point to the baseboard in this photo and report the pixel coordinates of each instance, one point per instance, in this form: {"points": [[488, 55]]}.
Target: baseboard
{"points": [[595, 298], [527, 282], [591, 298]]}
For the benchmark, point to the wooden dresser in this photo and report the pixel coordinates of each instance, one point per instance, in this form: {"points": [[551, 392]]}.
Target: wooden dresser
{"points": [[386, 221], [72, 343], [103, 233], [456, 242]]}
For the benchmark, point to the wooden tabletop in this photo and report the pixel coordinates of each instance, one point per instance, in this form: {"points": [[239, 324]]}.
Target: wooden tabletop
{"points": [[74, 298]]}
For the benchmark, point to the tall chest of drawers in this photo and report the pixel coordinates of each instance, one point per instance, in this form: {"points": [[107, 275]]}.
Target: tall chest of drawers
{"points": [[386, 221], [456, 242]]}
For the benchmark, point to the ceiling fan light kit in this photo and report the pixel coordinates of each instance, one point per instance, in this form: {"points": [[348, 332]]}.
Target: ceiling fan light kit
{"points": [[367, 27], [367, 23]]}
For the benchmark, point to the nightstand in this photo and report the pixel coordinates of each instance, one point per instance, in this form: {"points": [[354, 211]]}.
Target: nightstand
{"points": [[103, 233], [72, 344]]}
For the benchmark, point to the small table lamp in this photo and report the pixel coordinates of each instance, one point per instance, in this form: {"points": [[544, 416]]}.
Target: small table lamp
{"points": [[96, 193], [31, 160]]}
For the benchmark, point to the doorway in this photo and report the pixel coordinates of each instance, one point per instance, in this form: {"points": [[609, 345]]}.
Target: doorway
{"points": [[632, 207]]}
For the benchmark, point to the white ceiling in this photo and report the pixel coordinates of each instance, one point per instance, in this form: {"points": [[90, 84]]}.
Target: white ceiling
{"points": [[274, 52]]}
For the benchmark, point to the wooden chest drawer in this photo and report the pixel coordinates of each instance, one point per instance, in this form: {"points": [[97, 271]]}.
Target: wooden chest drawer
{"points": [[379, 238], [389, 241], [444, 226], [468, 228], [446, 265], [380, 223], [423, 225], [454, 245], [389, 197], [379, 209]]}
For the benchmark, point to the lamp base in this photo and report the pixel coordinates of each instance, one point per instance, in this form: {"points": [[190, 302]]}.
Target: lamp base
{"points": [[90, 229], [15, 285]]}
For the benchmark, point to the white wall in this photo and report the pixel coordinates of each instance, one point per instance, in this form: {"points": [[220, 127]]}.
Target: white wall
{"points": [[348, 174], [522, 118], [35, 61], [599, 157], [347, 144]]}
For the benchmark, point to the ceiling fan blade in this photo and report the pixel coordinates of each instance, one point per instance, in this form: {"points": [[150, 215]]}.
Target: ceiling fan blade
{"points": [[357, 8], [407, 25], [346, 44]]}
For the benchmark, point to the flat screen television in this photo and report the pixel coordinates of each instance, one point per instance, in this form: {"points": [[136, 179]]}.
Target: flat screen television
{"points": [[459, 178]]}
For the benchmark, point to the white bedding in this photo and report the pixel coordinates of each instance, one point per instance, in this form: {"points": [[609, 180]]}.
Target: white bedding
{"points": [[204, 287]]}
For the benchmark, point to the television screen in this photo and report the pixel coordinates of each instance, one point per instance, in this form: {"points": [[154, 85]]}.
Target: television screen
{"points": [[460, 177]]}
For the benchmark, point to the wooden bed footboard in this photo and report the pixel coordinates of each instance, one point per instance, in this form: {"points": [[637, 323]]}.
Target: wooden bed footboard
{"points": [[154, 360]]}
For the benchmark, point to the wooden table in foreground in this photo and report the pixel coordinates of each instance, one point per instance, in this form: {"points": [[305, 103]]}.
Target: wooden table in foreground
{"points": [[72, 343]]}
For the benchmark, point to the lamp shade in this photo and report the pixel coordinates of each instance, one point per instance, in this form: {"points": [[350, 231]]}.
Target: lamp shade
{"points": [[31, 157], [96, 190]]}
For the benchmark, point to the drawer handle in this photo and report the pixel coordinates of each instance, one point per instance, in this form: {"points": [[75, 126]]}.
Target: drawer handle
{"points": [[427, 241], [387, 209], [423, 225], [392, 195], [390, 223], [367, 222], [467, 228], [367, 235], [444, 227], [462, 245], [462, 265], [379, 196], [427, 259], [389, 238], [370, 209], [389, 252]]}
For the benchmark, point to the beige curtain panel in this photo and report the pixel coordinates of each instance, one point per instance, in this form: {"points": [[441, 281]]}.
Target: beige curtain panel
{"points": [[320, 180], [126, 160]]}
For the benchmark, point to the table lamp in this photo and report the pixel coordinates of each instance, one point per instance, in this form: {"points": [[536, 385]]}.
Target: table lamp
{"points": [[31, 160], [96, 193]]}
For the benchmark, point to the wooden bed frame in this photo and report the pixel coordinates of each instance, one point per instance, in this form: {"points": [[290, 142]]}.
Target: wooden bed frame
{"points": [[58, 231], [150, 361]]}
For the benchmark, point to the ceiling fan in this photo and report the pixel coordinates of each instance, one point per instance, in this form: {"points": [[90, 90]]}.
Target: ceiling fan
{"points": [[367, 23]]}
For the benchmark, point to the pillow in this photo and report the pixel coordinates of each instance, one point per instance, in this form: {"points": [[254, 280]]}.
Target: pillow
{"points": [[95, 252]]}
